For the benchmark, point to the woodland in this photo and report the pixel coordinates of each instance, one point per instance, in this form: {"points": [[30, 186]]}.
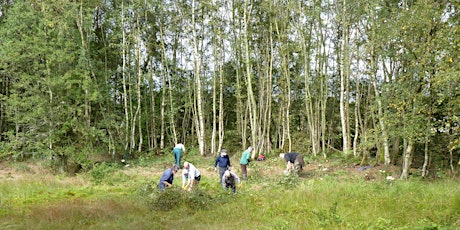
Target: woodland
{"points": [[101, 80]]}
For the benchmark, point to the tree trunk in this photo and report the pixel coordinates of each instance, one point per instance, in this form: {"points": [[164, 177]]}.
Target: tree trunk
{"points": [[163, 109], [344, 79], [384, 136], [123, 73], [153, 137], [407, 160], [198, 91], [138, 113], [251, 99], [214, 109], [221, 105], [426, 158]]}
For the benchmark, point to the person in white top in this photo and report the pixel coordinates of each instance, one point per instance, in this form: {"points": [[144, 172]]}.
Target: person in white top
{"points": [[190, 177], [178, 151]]}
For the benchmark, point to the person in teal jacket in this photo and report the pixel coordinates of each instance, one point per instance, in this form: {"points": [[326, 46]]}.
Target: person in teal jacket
{"points": [[178, 151], [244, 161]]}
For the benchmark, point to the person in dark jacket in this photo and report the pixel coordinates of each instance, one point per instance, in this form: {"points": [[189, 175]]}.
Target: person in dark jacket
{"points": [[294, 161], [166, 180], [223, 161]]}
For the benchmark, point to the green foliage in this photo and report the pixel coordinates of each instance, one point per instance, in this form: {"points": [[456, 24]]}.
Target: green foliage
{"points": [[383, 224], [165, 201], [102, 173], [175, 198], [328, 217], [289, 181]]}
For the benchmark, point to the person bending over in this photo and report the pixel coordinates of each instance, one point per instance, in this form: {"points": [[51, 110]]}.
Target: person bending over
{"points": [[166, 180], [190, 177], [229, 180], [294, 162]]}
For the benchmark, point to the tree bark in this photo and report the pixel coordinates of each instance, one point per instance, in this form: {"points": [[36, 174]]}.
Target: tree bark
{"points": [[200, 129], [252, 106], [407, 160]]}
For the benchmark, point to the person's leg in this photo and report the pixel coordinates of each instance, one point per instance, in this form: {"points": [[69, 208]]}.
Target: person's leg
{"points": [[175, 157], [179, 156], [234, 188], [299, 159], [296, 168], [197, 181], [221, 173], [244, 171], [298, 164]]}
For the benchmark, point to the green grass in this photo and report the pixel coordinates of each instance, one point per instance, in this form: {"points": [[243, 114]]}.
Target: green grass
{"points": [[125, 201]]}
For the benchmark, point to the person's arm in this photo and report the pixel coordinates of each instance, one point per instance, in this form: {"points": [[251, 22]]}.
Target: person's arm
{"points": [[217, 161], [190, 183], [184, 179], [167, 184], [228, 162], [191, 177], [236, 177]]}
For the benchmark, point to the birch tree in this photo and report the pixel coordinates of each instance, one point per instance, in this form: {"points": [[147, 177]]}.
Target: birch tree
{"points": [[199, 120], [252, 106]]}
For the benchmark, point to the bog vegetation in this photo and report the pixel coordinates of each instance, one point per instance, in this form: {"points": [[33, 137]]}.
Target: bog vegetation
{"points": [[327, 195]]}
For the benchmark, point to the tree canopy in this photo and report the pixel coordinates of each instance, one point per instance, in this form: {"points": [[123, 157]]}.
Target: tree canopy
{"points": [[125, 78]]}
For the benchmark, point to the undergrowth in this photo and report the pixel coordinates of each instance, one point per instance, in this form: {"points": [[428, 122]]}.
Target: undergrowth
{"points": [[108, 198]]}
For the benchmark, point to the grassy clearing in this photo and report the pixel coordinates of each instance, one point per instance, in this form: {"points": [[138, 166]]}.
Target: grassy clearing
{"points": [[127, 198]]}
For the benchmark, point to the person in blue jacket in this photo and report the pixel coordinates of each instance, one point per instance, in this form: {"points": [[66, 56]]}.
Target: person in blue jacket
{"points": [[166, 180], [224, 163]]}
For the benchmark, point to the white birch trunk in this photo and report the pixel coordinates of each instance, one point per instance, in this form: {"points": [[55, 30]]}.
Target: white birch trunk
{"points": [[197, 71], [125, 91], [407, 160]]}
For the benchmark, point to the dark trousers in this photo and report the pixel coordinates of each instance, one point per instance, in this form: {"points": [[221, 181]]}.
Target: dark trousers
{"points": [[221, 172], [231, 185], [298, 164], [244, 171]]}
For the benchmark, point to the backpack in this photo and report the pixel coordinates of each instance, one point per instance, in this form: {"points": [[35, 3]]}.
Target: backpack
{"points": [[261, 157]]}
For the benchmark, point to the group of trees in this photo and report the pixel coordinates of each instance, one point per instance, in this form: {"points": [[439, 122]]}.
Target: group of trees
{"points": [[125, 77]]}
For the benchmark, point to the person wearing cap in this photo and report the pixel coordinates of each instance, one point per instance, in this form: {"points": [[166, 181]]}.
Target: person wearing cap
{"points": [[224, 163], [190, 176], [244, 161], [166, 180], [294, 161], [178, 150], [229, 180]]}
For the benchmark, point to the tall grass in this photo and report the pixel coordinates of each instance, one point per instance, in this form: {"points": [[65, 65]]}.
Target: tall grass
{"points": [[263, 202]]}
